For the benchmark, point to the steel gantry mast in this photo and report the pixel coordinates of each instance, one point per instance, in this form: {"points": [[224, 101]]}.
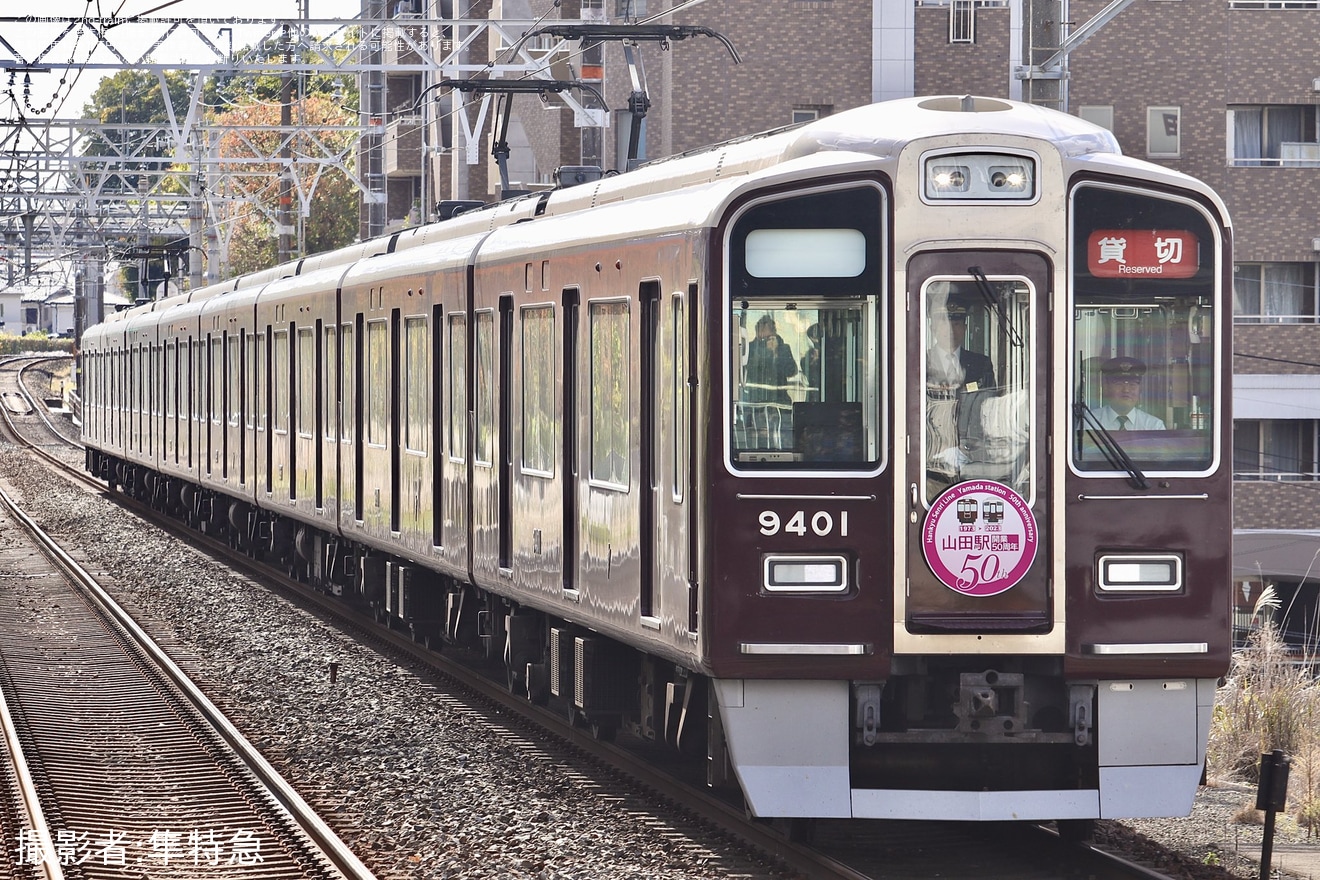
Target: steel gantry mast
{"points": [[60, 202]]}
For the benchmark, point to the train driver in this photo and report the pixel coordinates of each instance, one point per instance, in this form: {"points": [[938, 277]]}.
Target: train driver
{"points": [[954, 374], [1120, 388]]}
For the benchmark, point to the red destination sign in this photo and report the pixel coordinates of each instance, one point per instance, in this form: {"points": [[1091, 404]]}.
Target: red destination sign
{"points": [[1142, 253]]}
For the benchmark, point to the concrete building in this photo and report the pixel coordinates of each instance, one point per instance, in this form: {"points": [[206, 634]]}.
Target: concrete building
{"points": [[1225, 90]]}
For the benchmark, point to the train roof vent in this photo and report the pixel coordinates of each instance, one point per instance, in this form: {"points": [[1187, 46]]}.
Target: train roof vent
{"points": [[448, 209], [572, 175], [965, 104]]}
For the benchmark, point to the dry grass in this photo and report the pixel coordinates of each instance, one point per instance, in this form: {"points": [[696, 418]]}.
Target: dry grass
{"points": [[1269, 702]]}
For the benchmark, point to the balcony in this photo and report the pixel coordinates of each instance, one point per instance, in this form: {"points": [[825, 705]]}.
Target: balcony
{"points": [[403, 146]]}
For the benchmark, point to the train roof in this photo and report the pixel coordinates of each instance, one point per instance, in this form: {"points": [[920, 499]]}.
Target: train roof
{"points": [[875, 131]]}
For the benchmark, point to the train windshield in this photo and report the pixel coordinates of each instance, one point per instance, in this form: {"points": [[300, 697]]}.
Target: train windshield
{"points": [[804, 387], [1144, 276], [803, 368], [980, 385]]}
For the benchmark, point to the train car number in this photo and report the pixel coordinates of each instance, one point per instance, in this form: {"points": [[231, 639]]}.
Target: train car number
{"points": [[820, 523]]}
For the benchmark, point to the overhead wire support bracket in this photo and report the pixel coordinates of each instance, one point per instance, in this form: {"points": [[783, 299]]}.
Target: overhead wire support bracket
{"points": [[506, 89], [630, 35]]}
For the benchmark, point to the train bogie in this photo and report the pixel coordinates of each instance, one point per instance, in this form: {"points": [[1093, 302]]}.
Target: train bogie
{"points": [[804, 453]]}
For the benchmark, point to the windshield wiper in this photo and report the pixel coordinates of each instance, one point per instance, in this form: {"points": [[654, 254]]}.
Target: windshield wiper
{"points": [[983, 285], [1115, 454]]}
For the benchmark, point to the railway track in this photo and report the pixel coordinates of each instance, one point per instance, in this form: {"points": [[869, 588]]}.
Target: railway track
{"points": [[137, 773], [872, 850]]}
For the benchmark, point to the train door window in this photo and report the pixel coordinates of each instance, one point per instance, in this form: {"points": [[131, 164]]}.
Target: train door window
{"points": [[330, 429], [608, 329], [306, 391], [215, 388], [279, 382], [234, 383], [458, 387], [417, 383], [170, 380], [538, 390], [249, 353], [376, 382], [483, 442], [804, 343], [260, 400], [347, 419], [678, 428], [156, 380], [980, 385], [1145, 301], [186, 401]]}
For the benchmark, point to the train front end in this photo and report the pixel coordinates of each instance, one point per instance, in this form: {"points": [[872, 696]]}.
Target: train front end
{"points": [[967, 549]]}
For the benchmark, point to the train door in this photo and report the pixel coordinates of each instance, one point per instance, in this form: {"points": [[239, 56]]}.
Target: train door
{"points": [[651, 511], [979, 500], [570, 424]]}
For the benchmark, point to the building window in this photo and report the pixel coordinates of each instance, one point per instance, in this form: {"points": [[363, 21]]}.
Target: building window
{"points": [[630, 10], [1273, 135], [1275, 449], [962, 21], [1274, 293], [1098, 114], [1164, 132], [804, 113], [1274, 4]]}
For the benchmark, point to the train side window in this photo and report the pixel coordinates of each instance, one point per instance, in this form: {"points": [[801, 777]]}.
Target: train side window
{"points": [[608, 328], [538, 390], [347, 389], [1145, 301], [330, 426], [458, 397], [279, 380], [416, 383], [305, 394], [376, 383], [483, 441], [805, 331]]}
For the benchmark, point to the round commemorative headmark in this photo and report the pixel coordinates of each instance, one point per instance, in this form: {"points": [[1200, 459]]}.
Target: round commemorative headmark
{"points": [[979, 538]]}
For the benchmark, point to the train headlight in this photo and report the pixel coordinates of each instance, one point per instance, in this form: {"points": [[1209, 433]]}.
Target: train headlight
{"points": [[1147, 573], [805, 574], [946, 179], [979, 177]]}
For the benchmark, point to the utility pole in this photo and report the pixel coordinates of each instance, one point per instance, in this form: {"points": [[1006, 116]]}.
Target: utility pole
{"points": [[373, 148], [284, 216]]}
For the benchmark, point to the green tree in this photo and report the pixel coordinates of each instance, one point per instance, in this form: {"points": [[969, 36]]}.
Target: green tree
{"points": [[332, 219], [132, 98]]}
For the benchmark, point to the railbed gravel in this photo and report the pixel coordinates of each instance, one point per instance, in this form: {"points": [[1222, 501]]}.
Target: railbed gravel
{"points": [[417, 785], [420, 787]]}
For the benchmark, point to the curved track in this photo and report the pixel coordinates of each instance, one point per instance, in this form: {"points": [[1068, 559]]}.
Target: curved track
{"points": [[138, 773]]}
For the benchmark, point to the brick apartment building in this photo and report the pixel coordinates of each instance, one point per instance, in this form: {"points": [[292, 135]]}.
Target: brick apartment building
{"points": [[1225, 90]]}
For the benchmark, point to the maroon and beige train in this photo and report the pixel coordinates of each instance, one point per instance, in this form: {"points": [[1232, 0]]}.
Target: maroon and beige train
{"points": [[800, 451]]}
